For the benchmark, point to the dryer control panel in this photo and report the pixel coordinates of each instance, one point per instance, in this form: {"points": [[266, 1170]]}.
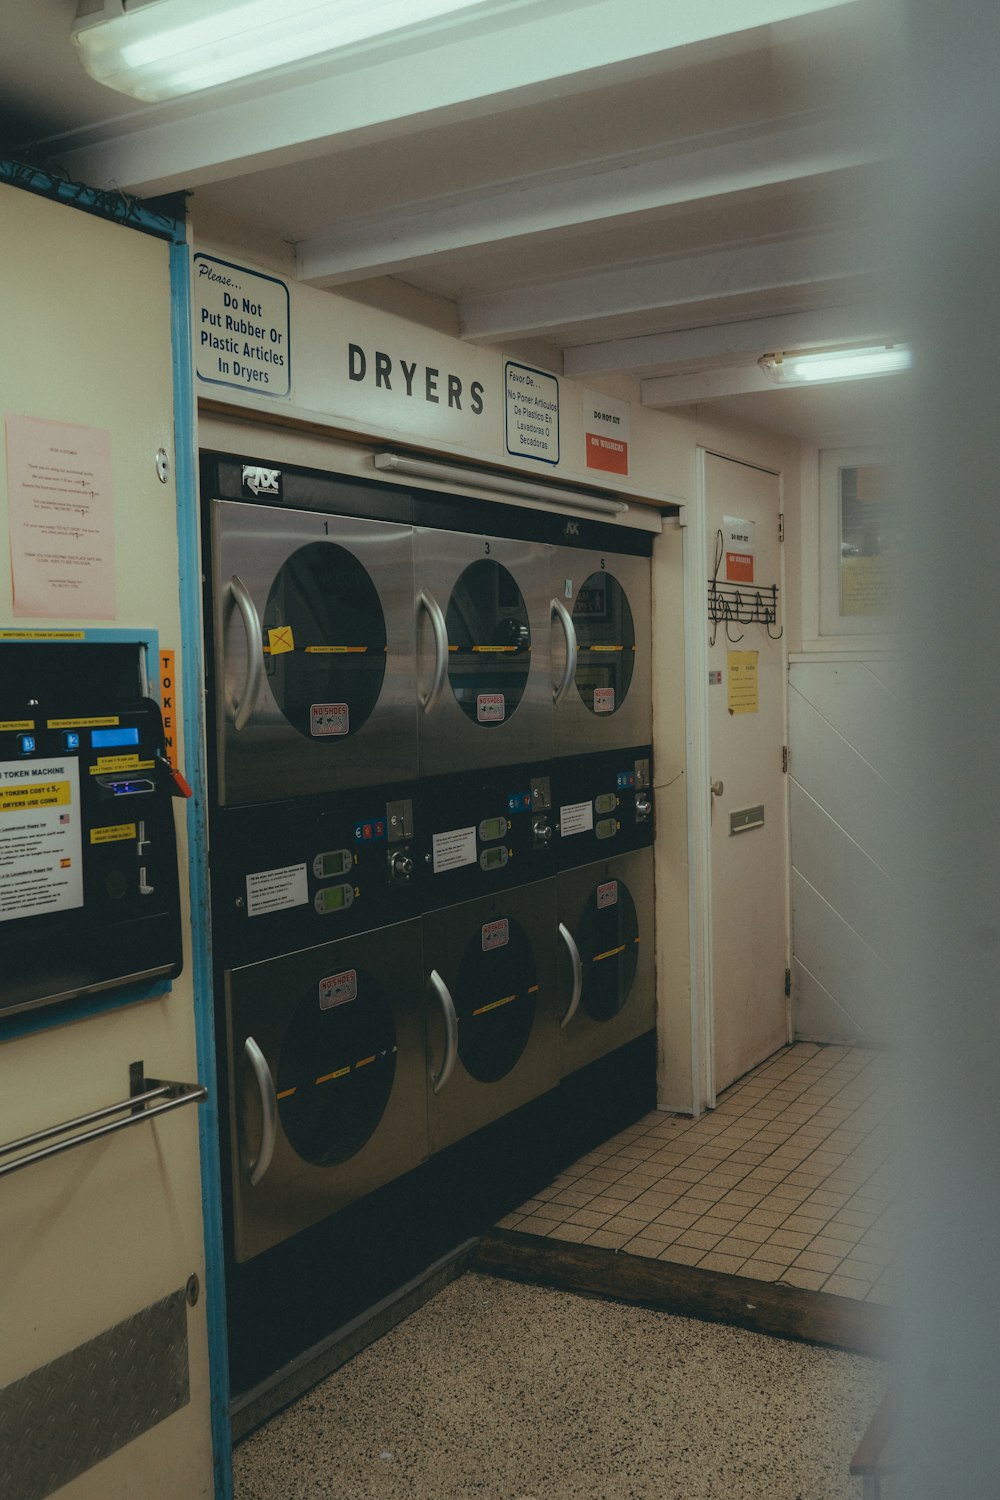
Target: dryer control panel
{"points": [[311, 870], [603, 804], [485, 830], [89, 898]]}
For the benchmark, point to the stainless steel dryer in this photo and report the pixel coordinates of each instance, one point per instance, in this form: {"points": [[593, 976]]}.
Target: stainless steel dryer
{"points": [[606, 967], [493, 1031], [313, 646], [601, 650], [484, 683], [328, 1098]]}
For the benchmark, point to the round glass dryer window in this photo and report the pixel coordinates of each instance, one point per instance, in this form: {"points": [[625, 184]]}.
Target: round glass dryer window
{"points": [[336, 1067], [495, 997], [605, 635], [324, 642], [489, 643], [607, 936]]}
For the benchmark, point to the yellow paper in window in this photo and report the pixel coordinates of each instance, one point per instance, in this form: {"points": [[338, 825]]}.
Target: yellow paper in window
{"points": [[866, 586], [742, 674]]}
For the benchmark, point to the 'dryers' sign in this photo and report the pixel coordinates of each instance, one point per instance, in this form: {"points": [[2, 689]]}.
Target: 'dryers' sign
{"points": [[413, 379]]}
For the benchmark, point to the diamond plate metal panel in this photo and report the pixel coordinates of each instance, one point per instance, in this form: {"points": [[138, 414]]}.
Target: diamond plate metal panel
{"points": [[75, 1411]]}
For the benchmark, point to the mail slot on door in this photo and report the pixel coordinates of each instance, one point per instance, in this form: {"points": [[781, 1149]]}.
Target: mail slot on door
{"points": [[89, 898]]}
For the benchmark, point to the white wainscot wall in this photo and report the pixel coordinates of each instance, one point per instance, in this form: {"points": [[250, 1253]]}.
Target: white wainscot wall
{"points": [[845, 801]]}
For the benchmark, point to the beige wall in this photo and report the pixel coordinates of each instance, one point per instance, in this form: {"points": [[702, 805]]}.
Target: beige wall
{"points": [[98, 1234]]}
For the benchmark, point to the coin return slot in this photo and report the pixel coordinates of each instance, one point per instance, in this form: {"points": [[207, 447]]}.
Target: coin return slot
{"points": [[492, 828], [334, 898], [493, 859]]}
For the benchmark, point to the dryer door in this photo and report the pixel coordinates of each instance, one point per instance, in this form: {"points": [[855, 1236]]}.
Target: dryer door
{"points": [[326, 1059], [606, 989], [483, 651], [492, 1030], [605, 703], [313, 652]]}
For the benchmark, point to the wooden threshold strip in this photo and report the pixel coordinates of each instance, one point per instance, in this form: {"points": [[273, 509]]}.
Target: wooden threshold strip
{"points": [[761, 1306]]}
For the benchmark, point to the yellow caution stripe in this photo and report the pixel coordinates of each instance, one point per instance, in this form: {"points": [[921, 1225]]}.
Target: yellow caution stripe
{"points": [[287, 1093], [533, 989], [611, 953], [496, 648], [365, 1061], [601, 648], [494, 1005], [335, 650]]}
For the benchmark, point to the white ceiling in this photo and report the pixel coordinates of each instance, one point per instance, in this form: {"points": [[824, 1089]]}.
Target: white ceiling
{"points": [[663, 189]]}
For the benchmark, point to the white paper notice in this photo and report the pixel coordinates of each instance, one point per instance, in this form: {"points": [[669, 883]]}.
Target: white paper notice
{"points": [[453, 850], [62, 548], [41, 867], [578, 817], [274, 890]]}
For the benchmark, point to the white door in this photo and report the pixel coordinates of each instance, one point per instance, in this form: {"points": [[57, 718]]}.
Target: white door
{"points": [[746, 735]]}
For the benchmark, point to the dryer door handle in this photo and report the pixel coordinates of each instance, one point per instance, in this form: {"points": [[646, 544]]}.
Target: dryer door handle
{"points": [[447, 1004], [428, 602], [558, 611], [240, 709], [268, 1110], [576, 963]]}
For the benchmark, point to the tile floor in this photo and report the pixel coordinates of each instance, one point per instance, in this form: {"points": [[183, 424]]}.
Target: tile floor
{"points": [[788, 1179]]}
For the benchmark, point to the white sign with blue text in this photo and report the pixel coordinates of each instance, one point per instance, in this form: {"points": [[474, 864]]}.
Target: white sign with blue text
{"points": [[242, 328]]}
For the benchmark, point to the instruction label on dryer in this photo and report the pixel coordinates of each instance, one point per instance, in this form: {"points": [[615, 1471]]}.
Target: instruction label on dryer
{"points": [[41, 867], [578, 817], [274, 890], [453, 850]]}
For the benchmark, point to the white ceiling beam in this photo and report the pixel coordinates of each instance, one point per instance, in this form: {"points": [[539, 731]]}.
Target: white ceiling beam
{"points": [[704, 385], [729, 343], [538, 52], [388, 244], [528, 312]]}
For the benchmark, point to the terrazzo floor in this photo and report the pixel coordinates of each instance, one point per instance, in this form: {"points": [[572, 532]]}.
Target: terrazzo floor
{"points": [[789, 1179], [499, 1391]]}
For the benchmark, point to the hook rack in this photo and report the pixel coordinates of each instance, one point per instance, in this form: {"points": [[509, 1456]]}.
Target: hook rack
{"points": [[740, 603]]}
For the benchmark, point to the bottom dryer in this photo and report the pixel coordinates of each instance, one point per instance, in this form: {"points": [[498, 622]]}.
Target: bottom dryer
{"points": [[606, 968], [327, 1080], [493, 1031]]}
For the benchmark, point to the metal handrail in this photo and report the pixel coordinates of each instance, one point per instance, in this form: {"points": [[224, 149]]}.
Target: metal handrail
{"points": [[174, 1095]]}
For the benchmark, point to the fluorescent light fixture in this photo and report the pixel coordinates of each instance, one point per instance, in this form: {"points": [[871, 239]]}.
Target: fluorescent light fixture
{"points": [[812, 366], [504, 484], [159, 49]]}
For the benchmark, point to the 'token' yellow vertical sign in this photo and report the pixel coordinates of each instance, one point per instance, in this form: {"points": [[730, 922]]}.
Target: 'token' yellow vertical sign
{"points": [[742, 671]]}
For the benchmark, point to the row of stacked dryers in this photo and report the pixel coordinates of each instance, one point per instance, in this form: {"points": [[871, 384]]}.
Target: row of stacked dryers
{"points": [[431, 822]]}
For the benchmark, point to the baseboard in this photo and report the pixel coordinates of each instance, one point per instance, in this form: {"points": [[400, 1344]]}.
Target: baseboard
{"points": [[251, 1408]]}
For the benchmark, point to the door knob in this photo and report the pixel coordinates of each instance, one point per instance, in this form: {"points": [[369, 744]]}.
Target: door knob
{"points": [[717, 788]]}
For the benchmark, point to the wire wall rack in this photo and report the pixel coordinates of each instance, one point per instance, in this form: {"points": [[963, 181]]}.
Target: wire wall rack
{"points": [[740, 603]]}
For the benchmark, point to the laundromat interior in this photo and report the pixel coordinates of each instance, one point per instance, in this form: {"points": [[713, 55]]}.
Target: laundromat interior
{"points": [[498, 940]]}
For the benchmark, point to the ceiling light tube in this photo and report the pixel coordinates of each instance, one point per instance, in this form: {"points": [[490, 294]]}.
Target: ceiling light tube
{"points": [[815, 366], [486, 479], [160, 49]]}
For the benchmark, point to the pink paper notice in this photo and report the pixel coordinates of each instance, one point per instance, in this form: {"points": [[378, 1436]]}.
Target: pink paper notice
{"points": [[62, 541]]}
